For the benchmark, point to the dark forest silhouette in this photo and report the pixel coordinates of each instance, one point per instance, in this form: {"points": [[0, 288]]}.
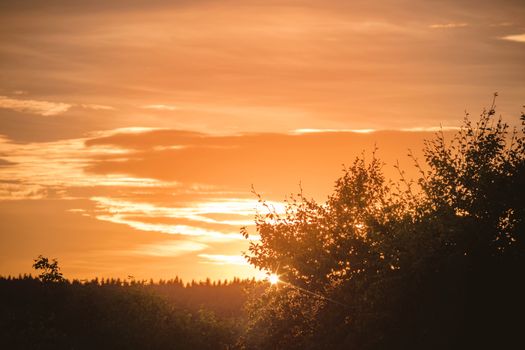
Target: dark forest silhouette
{"points": [[121, 314], [436, 262]]}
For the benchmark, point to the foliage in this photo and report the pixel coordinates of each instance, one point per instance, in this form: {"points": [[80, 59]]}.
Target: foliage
{"points": [[115, 314], [427, 263], [50, 272]]}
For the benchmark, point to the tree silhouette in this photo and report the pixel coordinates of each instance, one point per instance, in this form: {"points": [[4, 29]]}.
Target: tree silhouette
{"points": [[433, 262], [49, 270]]}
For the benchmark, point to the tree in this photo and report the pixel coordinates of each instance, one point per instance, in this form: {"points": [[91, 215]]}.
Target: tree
{"points": [[470, 226], [427, 263], [49, 270]]}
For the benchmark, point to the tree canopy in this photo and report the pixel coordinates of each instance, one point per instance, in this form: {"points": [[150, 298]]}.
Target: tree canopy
{"points": [[49, 269], [430, 262]]}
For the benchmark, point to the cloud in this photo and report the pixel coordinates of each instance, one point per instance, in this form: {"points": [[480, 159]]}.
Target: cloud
{"points": [[448, 25], [42, 167], [138, 179], [431, 129], [44, 108], [16, 190], [220, 259], [272, 162], [161, 107], [308, 131], [502, 24], [520, 38], [184, 230], [97, 107], [124, 130], [216, 220]]}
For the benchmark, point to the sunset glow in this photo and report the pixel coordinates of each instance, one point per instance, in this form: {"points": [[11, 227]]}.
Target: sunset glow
{"points": [[131, 134], [262, 174]]}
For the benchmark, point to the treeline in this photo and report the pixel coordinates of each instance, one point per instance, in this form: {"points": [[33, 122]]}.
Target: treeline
{"points": [[223, 297], [131, 281], [121, 314]]}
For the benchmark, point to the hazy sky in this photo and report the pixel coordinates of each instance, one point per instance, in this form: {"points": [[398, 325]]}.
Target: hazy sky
{"points": [[131, 131]]}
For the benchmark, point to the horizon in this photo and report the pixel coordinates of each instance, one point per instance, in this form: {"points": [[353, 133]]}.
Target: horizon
{"points": [[132, 280]]}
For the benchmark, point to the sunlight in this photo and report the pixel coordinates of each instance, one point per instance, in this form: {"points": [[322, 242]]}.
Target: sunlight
{"points": [[273, 279]]}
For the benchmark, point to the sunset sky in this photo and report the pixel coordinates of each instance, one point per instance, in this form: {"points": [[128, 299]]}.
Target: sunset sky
{"points": [[131, 132]]}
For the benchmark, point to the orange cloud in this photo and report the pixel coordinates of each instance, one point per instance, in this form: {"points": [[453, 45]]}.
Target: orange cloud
{"points": [[198, 217], [271, 162], [97, 107], [449, 25], [221, 259], [44, 108], [520, 38], [161, 107]]}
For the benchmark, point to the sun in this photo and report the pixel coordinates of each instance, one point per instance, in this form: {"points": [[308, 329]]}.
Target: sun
{"points": [[273, 278]]}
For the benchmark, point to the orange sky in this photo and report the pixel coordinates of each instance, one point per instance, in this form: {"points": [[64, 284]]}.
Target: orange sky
{"points": [[132, 131]]}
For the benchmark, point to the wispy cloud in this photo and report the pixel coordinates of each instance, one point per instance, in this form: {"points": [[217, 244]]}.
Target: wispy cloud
{"points": [[520, 38], [42, 167], [220, 259], [124, 130], [224, 216], [310, 131], [184, 230], [161, 107], [431, 128], [448, 25], [368, 131], [97, 107], [44, 108], [194, 211], [502, 24]]}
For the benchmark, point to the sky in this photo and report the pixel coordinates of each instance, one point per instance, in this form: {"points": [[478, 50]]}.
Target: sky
{"points": [[132, 132]]}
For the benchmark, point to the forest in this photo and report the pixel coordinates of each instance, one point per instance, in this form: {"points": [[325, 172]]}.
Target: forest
{"points": [[435, 262], [115, 314]]}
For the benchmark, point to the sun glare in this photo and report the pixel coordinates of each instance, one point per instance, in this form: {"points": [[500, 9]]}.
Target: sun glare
{"points": [[273, 279]]}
